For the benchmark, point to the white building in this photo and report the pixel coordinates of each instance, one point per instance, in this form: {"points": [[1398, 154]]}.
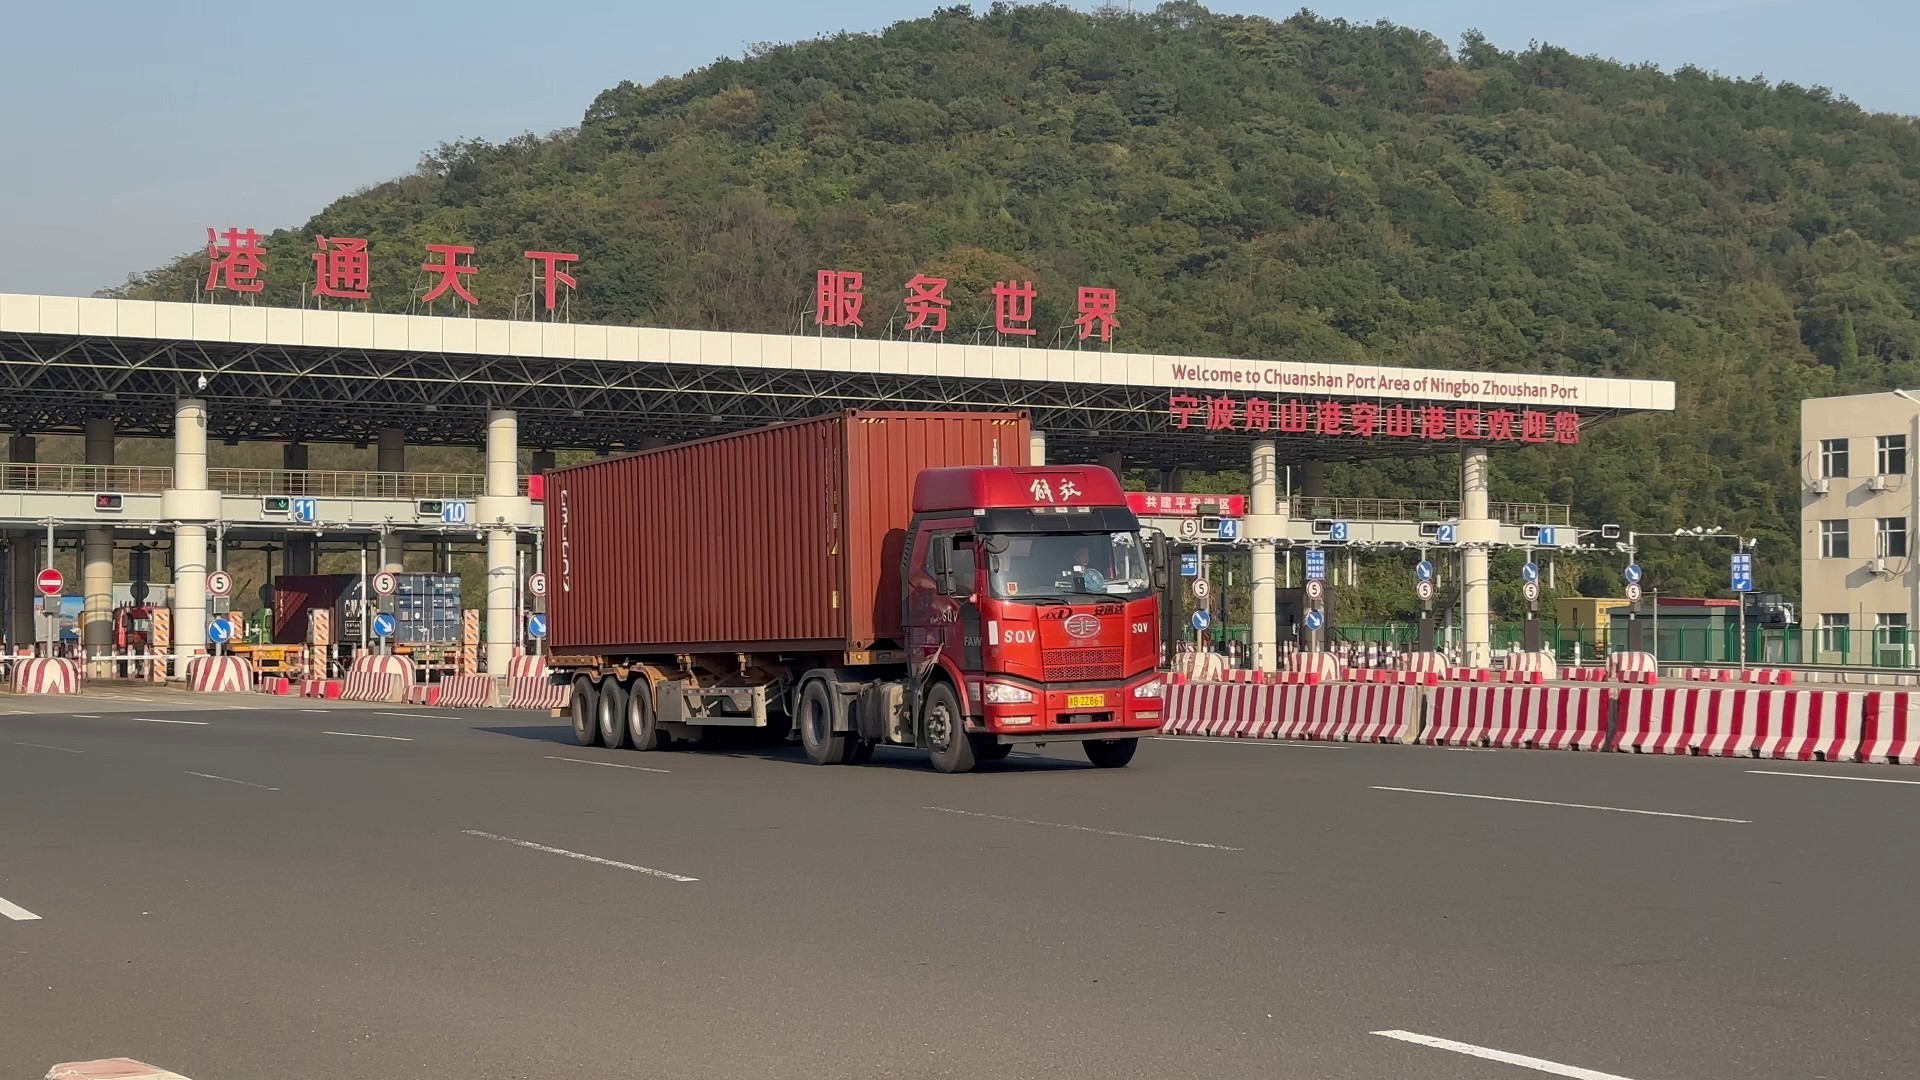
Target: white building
{"points": [[1860, 588]]}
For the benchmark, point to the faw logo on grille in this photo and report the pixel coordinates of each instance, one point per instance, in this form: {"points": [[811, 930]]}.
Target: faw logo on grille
{"points": [[1083, 626]]}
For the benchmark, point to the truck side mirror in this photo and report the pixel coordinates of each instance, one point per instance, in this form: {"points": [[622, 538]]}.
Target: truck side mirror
{"points": [[1161, 553], [941, 557]]}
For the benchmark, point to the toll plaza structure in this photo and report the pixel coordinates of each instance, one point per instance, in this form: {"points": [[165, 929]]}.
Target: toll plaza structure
{"points": [[111, 368]]}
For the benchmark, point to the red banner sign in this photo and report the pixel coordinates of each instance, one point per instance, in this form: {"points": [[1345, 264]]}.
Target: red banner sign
{"points": [[839, 297], [237, 261], [1368, 420], [1184, 504]]}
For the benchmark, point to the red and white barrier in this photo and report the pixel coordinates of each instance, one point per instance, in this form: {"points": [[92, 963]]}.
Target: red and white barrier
{"points": [[45, 675], [110, 1069], [1294, 678], [1890, 727], [277, 684], [1392, 678], [527, 667], [423, 694], [1377, 713], [1242, 675], [321, 688], [1520, 717], [1532, 663], [1525, 678], [1696, 674], [1584, 674], [1470, 674], [537, 693], [372, 686], [1801, 725], [391, 664], [1328, 711], [1323, 664], [1430, 662], [466, 691], [219, 675], [1768, 676], [1633, 667]]}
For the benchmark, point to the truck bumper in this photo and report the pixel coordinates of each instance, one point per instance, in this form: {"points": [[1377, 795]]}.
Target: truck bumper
{"points": [[1118, 710]]}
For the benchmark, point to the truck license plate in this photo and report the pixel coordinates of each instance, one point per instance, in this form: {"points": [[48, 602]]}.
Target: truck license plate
{"points": [[1086, 701]]}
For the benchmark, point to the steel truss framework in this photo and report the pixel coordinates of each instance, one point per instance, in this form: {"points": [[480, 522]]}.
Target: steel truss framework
{"points": [[52, 384]]}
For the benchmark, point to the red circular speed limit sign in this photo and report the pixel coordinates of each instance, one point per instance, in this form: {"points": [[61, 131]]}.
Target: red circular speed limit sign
{"points": [[219, 583], [537, 585], [50, 582], [385, 583]]}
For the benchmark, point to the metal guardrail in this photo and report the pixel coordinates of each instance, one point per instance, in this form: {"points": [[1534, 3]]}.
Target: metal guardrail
{"points": [[315, 483], [1509, 513]]}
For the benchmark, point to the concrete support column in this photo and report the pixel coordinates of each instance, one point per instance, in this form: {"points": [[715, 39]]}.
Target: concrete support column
{"points": [[22, 567], [22, 450], [1265, 477], [391, 453], [393, 553], [96, 561], [293, 458], [190, 503], [1037, 448], [503, 499], [1476, 535]]}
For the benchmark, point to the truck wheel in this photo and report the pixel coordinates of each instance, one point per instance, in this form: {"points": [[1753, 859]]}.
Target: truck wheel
{"points": [[1111, 753], [586, 711], [613, 714], [641, 730], [818, 705], [947, 742]]}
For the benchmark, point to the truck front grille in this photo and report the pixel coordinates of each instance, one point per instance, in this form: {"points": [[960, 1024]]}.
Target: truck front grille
{"points": [[1082, 665]]}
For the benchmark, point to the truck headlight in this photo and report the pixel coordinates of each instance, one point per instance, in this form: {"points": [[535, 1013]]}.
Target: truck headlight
{"points": [[1148, 690], [1003, 694]]}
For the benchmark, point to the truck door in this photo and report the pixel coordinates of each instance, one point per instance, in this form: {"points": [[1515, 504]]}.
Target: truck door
{"points": [[942, 618]]}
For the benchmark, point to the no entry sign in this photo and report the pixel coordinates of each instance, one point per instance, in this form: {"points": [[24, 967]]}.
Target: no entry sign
{"points": [[50, 582]]}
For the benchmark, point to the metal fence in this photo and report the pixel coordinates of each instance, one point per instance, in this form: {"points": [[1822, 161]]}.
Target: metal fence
{"points": [[1427, 510], [316, 483]]}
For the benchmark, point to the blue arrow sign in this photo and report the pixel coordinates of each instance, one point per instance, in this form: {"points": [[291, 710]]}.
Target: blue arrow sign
{"points": [[1632, 573], [306, 511], [1339, 531], [220, 631], [1189, 564], [1742, 573], [1315, 620], [1316, 564], [1446, 534], [1423, 570], [1529, 571], [1201, 619], [536, 625], [384, 626]]}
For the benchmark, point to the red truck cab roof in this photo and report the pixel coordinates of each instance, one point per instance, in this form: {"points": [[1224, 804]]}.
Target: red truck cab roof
{"points": [[1027, 487]]}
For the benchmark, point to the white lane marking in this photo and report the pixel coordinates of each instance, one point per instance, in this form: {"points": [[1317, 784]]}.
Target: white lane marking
{"points": [[1830, 776], [1082, 828], [606, 764], [230, 780], [414, 715], [1552, 1068], [242, 708], [597, 860], [44, 746], [1246, 742], [15, 912], [359, 735], [86, 716], [1568, 805], [316, 710], [151, 720]]}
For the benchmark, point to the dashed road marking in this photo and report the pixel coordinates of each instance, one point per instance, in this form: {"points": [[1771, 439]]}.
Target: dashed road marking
{"points": [[1830, 776], [15, 912], [86, 716], [1552, 1068], [595, 859], [605, 764], [230, 780], [1568, 805], [412, 715], [44, 746], [152, 720], [1082, 828], [363, 735]]}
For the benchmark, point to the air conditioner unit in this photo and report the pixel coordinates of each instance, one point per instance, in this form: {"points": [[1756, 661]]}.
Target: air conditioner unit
{"points": [[1820, 486], [1878, 567], [1877, 483]]}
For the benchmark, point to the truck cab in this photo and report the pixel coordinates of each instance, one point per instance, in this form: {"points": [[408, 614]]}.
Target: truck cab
{"points": [[1035, 595]]}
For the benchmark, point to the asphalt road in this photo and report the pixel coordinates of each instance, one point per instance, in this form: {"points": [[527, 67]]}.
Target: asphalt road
{"points": [[349, 892]]}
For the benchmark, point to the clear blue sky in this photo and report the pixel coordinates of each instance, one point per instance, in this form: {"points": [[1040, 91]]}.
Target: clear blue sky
{"points": [[128, 128]]}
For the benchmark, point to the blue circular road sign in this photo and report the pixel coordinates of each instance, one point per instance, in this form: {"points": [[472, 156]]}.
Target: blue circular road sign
{"points": [[1530, 571], [1423, 569], [1315, 620], [1201, 620], [1632, 573], [536, 626], [220, 631], [384, 626]]}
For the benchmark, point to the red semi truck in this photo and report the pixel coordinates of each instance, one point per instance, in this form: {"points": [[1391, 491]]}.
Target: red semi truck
{"points": [[853, 581]]}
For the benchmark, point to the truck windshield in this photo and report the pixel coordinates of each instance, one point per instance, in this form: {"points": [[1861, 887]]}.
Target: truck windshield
{"points": [[1025, 566]]}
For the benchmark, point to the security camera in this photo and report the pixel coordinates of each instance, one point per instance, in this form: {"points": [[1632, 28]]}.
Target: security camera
{"points": [[201, 382]]}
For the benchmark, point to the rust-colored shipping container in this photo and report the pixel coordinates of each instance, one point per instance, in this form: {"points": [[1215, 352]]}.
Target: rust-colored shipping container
{"points": [[296, 594], [779, 539]]}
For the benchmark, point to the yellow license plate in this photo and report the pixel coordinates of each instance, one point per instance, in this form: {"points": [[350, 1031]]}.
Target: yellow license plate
{"points": [[1086, 701]]}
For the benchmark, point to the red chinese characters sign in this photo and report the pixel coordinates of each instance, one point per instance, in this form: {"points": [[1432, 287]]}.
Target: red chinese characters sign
{"points": [[1369, 420], [839, 296], [1184, 504], [237, 261]]}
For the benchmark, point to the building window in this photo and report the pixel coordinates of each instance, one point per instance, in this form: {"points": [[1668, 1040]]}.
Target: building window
{"points": [[1891, 460], [1833, 539], [1891, 538], [1833, 458], [1833, 632]]}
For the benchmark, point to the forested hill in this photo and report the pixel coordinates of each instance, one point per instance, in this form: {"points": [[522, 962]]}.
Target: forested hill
{"points": [[1303, 189]]}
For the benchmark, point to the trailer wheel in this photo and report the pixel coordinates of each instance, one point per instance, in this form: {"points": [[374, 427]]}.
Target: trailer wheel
{"points": [[642, 732], [586, 710], [1110, 753], [613, 714], [947, 742], [818, 706]]}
